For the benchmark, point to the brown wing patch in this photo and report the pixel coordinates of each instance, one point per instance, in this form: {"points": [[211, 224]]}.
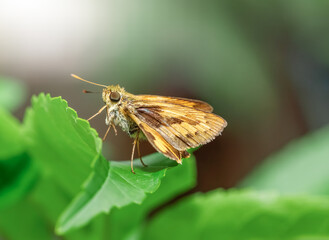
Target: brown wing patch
{"points": [[190, 103], [173, 125], [182, 127], [158, 142]]}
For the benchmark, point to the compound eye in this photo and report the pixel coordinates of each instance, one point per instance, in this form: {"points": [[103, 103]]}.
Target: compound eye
{"points": [[115, 96]]}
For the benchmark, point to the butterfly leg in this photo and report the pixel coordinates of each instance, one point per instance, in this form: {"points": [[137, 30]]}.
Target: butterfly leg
{"points": [[132, 156], [109, 121], [138, 150], [100, 110], [107, 131], [115, 130]]}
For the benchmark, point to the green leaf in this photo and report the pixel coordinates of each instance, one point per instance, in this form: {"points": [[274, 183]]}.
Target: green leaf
{"points": [[95, 230], [23, 221], [12, 93], [29, 219], [10, 136], [242, 215], [300, 167], [112, 184], [17, 177], [62, 144], [17, 171], [48, 200], [50, 197], [177, 181]]}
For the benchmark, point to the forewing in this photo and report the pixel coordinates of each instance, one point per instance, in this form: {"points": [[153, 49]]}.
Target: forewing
{"points": [[147, 100], [158, 141], [182, 127]]}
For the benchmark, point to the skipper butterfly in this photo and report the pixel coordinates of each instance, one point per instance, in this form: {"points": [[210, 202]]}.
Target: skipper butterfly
{"points": [[171, 124]]}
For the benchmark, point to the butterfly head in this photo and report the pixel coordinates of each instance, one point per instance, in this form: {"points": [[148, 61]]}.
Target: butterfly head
{"points": [[112, 95]]}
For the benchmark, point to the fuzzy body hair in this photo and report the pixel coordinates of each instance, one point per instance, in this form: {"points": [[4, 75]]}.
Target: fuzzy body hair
{"points": [[115, 113]]}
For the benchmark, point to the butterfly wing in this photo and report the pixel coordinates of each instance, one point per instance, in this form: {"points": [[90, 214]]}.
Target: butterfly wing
{"points": [[158, 142], [181, 123], [195, 104]]}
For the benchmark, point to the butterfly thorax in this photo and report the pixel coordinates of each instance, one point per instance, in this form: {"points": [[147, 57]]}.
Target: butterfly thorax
{"points": [[118, 102]]}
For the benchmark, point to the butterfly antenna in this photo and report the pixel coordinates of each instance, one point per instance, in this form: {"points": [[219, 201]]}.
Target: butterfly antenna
{"points": [[87, 91], [81, 79]]}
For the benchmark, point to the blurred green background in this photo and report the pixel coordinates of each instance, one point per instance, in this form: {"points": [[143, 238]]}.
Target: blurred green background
{"points": [[264, 67]]}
